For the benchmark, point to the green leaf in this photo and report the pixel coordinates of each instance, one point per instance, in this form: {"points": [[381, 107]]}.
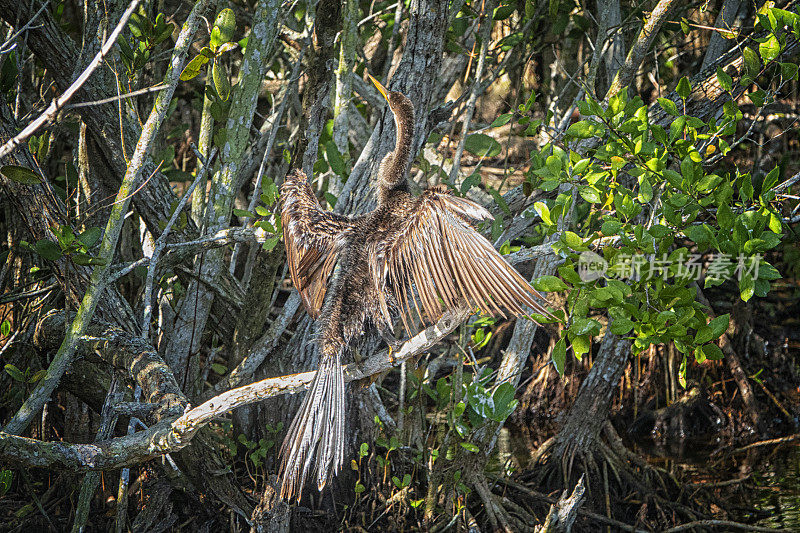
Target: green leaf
{"points": [[568, 273], [243, 213], [581, 166], [48, 250], [768, 272], [137, 25], [770, 48], [747, 288], [770, 180], [6, 477], [504, 402], [725, 217], [581, 344], [478, 398], [164, 34], [482, 145], [192, 68], [544, 212], [746, 187], [226, 48], [9, 72], [645, 190], [270, 243], [221, 82], [668, 106], [224, 27], [574, 242], [611, 227], [719, 325], [585, 129], [331, 199], [775, 224], [712, 330], [335, 159], [590, 194], [752, 63], [684, 88], [549, 284], [5, 328], [470, 447], [712, 352], [81, 259], [498, 198], [554, 165], [470, 181], [584, 326], [219, 369], [502, 120], [700, 234], [724, 80], [503, 12], [21, 175], [15, 373], [788, 71], [621, 326], [560, 356], [90, 237], [359, 488], [757, 97]]}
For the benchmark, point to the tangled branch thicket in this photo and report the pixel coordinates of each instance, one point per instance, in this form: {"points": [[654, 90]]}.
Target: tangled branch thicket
{"points": [[639, 160]]}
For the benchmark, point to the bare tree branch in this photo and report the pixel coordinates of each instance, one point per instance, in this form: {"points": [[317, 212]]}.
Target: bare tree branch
{"points": [[639, 48], [59, 102]]}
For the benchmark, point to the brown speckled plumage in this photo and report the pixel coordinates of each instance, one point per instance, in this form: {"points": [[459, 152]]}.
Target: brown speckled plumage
{"points": [[412, 256]]}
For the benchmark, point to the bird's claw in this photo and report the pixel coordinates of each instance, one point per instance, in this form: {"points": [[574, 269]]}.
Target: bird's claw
{"points": [[394, 347]]}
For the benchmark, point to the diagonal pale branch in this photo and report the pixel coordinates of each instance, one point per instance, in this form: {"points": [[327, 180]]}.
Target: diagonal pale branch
{"points": [[640, 47], [173, 434], [59, 102], [65, 355]]}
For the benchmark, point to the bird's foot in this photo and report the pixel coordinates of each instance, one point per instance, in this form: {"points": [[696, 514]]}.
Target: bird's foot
{"points": [[394, 347], [392, 342]]}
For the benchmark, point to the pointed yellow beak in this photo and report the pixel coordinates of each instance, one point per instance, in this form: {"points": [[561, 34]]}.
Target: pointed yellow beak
{"points": [[381, 88]]}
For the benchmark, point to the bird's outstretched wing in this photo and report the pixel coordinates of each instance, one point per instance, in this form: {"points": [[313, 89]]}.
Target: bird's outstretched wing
{"points": [[448, 261], [311, 236]]}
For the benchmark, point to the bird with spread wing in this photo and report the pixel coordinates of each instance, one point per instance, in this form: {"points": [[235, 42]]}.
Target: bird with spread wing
{"points": [[412, 256]]}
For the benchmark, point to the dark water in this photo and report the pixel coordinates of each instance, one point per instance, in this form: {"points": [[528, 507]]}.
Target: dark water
{"points": [[772, 487], [778, 489]]}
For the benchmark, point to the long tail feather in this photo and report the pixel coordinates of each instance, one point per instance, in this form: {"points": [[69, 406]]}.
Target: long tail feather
{"points": [[317, 430]]}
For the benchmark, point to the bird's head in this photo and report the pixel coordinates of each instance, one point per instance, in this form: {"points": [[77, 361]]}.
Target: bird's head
{"points": [[391, 175], [401, 106]]}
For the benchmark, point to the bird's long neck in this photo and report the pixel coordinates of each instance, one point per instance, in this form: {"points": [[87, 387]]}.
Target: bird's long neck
{"points": [[392, 172]]}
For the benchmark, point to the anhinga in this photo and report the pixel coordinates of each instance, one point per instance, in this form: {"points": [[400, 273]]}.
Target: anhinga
{"points": [[415, 256]]}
